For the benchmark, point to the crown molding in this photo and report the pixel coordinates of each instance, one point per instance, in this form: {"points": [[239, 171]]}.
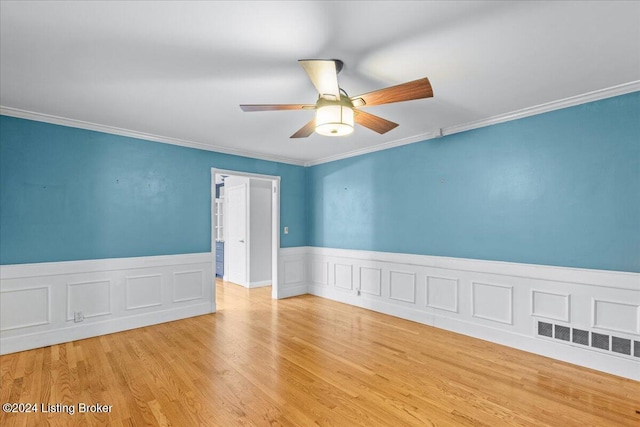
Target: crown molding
{"points": [[572, 101], [596, 95], [374, 148], [56, 120]]}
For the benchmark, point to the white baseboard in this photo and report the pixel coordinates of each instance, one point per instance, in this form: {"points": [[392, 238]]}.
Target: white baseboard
{"points": [[293, 291], [494, 301], [260, 284], [38, 302]]}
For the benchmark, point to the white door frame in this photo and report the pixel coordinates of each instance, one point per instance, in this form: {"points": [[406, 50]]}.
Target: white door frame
{"points": [[275, 224]]}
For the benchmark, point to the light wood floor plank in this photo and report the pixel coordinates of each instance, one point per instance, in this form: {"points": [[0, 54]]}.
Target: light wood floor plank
{"points": [[307, 361]]}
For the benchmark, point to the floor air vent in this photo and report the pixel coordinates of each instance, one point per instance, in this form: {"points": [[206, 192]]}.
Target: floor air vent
{"points": [[545, 329], [580, 336], [590, 339], [562, 333], [621, 345]]}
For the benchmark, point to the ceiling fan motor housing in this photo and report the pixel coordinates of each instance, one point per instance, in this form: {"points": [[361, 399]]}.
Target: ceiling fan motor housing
{"points": [[339, 65]]}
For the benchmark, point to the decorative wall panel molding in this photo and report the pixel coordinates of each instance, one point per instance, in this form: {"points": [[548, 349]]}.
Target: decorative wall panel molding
{"points": [[143, 291], [442, 293], [492, 302], [501, 302], [402, 286], [320, 272], [24, 308], [293, 271], [92, 299], [39, 302], [188, 285], [616, 316], [371, 281], [343, 276], [550, 305]]}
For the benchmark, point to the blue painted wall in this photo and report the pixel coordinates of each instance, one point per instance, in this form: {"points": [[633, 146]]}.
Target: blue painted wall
{"points": [[561, 188], [73, 194]]}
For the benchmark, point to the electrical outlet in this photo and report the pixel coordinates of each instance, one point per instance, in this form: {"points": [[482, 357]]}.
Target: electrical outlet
{"points": [[286, 230], [358, 292], [78, 317]]}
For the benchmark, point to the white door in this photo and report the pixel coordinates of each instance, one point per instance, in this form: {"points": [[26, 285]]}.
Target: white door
{"points": [[236, 242]]}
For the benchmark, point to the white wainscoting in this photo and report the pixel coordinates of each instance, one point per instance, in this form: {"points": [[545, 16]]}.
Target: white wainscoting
{"points": [[495, 301], [38, 302]]}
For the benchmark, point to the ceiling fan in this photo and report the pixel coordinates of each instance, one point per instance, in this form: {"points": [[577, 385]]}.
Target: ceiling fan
{"points": [[335, 110]]}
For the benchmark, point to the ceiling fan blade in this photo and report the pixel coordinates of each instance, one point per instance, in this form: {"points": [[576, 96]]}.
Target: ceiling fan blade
{"points": [[275, 107], [375, 123], [416, 89], [324, 76], [305, 130]]}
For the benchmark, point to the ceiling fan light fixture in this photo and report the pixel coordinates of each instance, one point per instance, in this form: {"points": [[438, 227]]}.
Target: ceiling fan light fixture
{"points": [[334, 118]]}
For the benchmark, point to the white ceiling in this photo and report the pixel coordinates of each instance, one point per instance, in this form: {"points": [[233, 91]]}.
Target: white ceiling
{"points": [[179, 70]]}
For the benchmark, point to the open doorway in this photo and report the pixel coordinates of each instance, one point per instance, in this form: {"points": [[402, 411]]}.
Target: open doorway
{"points": [[245, 237]]}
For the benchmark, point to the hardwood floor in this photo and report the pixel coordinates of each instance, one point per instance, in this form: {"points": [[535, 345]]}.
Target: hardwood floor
{"points": [[306, 361]]}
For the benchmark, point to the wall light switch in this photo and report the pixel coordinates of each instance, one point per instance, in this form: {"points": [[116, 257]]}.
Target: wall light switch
{"points": [[286, 230]]}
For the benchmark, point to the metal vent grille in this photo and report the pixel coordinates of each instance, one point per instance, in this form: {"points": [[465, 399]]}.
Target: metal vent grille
{"points": [[620, 345], [562, 333], [545, 329], [580, 336], [600, 341]]}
